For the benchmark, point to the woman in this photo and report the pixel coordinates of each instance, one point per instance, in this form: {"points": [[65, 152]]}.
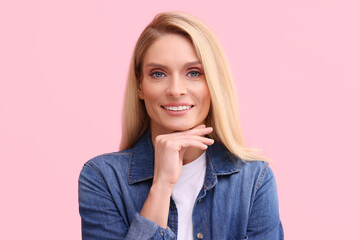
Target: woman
{"points": [[184, 171]]}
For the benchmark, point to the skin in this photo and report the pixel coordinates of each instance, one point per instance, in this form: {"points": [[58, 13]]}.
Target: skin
{"points": [[173, 74]]}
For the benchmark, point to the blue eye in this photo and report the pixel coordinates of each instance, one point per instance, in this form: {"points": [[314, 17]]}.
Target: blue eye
{"points": [[194, 74], [157, 74]]}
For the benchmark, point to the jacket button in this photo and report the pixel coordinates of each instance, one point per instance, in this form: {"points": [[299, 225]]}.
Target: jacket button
{"points": [[199, 200], [200, 235]]}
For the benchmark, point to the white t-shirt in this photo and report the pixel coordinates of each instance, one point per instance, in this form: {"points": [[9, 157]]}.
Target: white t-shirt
{"points": [[185, 192]]}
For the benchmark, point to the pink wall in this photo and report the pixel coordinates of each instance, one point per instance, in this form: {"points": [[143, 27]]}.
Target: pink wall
{"points": [[63, 66]]}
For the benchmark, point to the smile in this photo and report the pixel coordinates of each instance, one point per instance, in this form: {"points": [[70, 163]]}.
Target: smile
{"points": [[178, 108]]}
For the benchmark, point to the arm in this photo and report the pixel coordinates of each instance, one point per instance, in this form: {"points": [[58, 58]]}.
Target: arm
{"points": [[99, 215], [170, 150], [264, 221], [100, 218]]}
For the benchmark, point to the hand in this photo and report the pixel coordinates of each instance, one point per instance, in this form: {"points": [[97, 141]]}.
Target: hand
{"points": [[170, 150]]}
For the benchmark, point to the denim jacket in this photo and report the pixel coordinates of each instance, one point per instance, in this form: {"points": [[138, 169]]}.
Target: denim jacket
{"points": [[238, 199]]}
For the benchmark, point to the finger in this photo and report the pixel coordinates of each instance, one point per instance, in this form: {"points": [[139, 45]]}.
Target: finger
{"points": [[204, 140], [199, 126], [198, 142], [195, 131], [192, 143], [200, 131]]}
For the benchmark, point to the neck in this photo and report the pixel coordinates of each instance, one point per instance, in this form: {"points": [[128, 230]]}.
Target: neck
{"points": [[191, 154]]}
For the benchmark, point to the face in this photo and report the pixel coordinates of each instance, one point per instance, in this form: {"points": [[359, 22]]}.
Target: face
{"points": [[173, 87]]}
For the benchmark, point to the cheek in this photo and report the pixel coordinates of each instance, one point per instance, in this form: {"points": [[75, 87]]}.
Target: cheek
{"points": [[150, 96], [150, 93], [207, 100], [151, 99], [205, 93], [202, 94]]}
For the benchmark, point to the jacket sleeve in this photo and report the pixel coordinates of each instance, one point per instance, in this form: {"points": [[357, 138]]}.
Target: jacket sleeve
{"points": [[264, 221], [100, 218]]}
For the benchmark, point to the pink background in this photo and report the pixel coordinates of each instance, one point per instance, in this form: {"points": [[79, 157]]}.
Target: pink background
{"points": [[63, 66]]}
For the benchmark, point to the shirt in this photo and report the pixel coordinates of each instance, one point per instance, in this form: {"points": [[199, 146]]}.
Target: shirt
{"points": [[185, 192], [237, 201]]}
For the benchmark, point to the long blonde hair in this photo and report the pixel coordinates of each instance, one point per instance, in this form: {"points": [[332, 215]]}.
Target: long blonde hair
{"points": [[223, 115]]}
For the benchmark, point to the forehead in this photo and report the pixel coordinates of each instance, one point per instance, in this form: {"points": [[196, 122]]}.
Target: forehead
{"points": [[171, 49]]}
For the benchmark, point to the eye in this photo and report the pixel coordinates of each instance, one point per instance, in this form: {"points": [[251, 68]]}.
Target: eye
{"points": [[194, 74], [157, 74]]}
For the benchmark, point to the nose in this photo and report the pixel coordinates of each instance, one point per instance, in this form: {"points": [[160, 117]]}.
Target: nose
{"points": [[176, 87]]}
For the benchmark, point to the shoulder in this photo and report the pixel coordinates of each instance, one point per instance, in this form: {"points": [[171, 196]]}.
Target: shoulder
{"points": [[250, 176], [108, 164], [257, 168], [256, 172], [110, 158]]}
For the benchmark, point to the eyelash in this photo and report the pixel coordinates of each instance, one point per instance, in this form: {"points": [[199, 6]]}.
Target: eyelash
{"points": [[153, 74], [197, 72], [163, 74]]}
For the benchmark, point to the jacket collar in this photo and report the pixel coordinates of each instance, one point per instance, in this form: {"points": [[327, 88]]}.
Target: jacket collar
{"points": [[219, 161]]}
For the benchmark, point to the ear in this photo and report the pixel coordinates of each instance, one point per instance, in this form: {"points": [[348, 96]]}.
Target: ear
{"points": [[140, 92]]}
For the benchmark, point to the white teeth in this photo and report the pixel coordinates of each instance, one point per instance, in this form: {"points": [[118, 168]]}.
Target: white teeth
{"points": [[178, 108]]}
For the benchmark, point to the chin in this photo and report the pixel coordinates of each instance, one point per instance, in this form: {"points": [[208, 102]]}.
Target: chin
{"points": [[183, 127], [180, 128]]}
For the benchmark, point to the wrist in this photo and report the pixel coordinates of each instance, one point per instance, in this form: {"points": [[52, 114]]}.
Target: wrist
{"points": [[164, 189], [156, 206]]}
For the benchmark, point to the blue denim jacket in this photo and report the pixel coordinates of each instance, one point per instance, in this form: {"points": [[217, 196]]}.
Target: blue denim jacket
{"points": [[238, 199]]}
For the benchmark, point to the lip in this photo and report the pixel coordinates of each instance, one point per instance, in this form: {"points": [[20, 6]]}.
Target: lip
{"points": [[176, 104], [177, 113]]}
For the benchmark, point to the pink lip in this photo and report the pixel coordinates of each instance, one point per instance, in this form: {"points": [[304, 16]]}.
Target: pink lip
{"points": [[176, 104], [176, 113]]}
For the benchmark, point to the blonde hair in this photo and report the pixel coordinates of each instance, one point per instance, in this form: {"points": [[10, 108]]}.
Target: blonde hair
{"points": [[223, 115]]}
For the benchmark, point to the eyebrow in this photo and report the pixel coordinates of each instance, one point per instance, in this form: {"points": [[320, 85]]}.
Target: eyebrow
{"points": [[163, 66]]}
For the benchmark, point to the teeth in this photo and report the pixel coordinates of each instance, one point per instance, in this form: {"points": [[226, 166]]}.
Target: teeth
{"points": [[178, 108]]}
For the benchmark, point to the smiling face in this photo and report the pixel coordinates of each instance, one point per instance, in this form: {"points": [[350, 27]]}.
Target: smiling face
{"points": [[173, 86]]}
